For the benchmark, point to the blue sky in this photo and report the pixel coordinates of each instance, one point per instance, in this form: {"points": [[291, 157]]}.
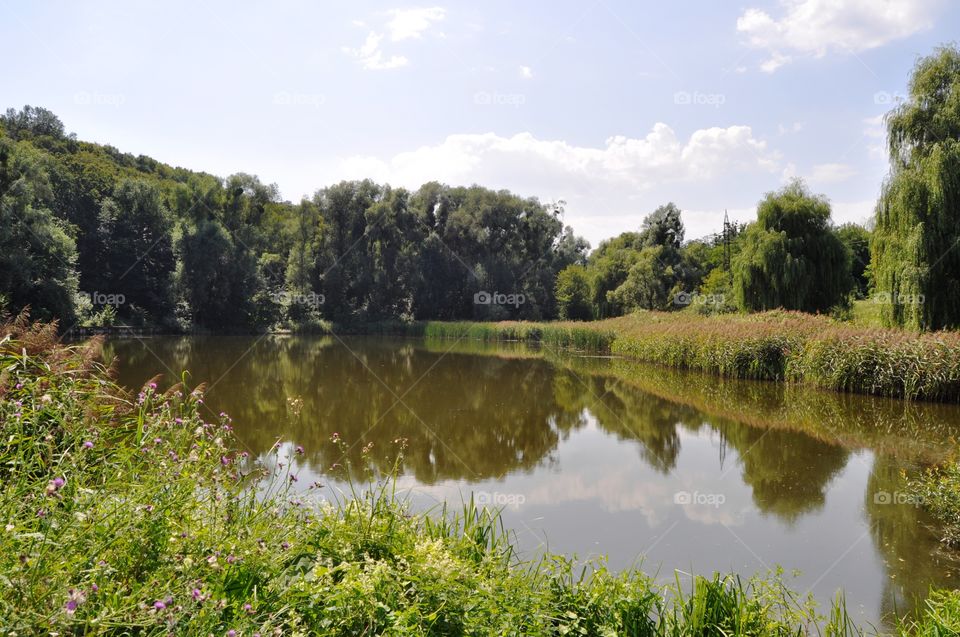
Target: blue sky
{"points": [[614, 107]]}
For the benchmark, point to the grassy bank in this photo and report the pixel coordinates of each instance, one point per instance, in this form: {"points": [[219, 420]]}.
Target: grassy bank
{"points": [[135, 514], [779, 346]]}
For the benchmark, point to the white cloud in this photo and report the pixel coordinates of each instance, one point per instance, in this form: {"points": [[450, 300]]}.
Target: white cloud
{"points": [[371, 56], [526, 72], [814, 27], [406, 24], [610, 187]]}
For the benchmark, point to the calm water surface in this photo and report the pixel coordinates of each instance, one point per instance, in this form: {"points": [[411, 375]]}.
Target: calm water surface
{"points": [[599, 457]]}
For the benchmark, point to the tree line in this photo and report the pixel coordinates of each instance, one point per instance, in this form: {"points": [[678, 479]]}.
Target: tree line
{"points": [[95, 236]]}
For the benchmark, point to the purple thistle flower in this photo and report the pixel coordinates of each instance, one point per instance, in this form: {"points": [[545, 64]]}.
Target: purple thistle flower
{"points": [[224, 460], [248, 608], [87, 444], [179, 421], [231, 633], [285, 546], [196, 594], [153, 385], [71, 606], [59, 482], [94, 588], [158, 605], [299, 450]]}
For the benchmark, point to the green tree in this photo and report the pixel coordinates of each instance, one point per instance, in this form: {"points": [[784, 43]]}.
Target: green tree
{"points": [[791, 257], [856, 238], [573, 293], [915, 263], [649, 283], [137, 261], [37, 255]]}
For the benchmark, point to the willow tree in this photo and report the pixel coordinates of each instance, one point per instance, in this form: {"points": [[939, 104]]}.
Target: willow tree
{"points": [[915, 256], [791, 256]]}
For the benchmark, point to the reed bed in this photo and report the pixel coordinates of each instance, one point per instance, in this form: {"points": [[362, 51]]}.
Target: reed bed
{"points": [[125, 514], [776, 346]]}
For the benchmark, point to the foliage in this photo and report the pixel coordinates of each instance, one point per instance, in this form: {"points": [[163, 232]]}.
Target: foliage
{"points": [[189, 249], [791, 257], [856, 239], [137, 260], [37, 254], [938, 491], [914, 262], [573, 293]]}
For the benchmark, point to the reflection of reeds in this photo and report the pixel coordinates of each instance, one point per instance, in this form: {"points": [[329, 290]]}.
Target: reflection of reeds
{"points": [[780, 346]]}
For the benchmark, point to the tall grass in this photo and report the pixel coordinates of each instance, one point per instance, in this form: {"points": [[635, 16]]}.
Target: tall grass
{"points": [[778, 346], [131, 514]]}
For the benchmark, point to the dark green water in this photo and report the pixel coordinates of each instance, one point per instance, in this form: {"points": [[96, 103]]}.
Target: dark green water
{"points": [[590, 457]]}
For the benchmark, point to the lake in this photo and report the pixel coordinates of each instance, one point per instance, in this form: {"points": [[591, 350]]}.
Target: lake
{"points": [[590, 456]]}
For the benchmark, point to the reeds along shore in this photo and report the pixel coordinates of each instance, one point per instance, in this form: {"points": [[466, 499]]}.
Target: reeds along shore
{"points": [[777, 346]]}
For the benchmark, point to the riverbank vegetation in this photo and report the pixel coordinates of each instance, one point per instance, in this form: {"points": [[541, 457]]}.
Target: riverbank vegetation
{"points": [[777, 345], [137, 513]]}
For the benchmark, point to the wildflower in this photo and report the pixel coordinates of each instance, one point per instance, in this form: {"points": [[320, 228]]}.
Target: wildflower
{"points": [[224, 460], [87, 444], [197, 595], [158, 605], [293, 478], [94, 588], [285, 546], [71, 606], [46, 399], [231, 633], [55, 485], [153, 385], [231, 559], [157, 440], [248, 608], [299, 450], [9, 528], [179, 421]]}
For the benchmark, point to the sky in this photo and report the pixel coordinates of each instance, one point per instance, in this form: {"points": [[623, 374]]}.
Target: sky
{"points": [[612, 107]]}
